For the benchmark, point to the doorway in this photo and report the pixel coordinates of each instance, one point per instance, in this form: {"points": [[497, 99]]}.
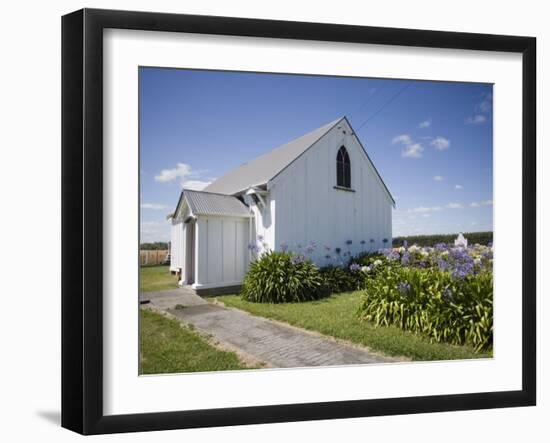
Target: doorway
{"points": [[190, 253]]}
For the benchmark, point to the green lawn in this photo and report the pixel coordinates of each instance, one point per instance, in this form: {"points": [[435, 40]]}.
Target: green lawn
{"points": [[156, 278], [167, 347], [336, 316]]}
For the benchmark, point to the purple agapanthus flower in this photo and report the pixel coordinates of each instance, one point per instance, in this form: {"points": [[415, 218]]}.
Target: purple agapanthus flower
{"points": [[297, 259], [284, 247], [327, 248], [406, 258], [252, 247], [354, 267], [443, 265], [405, 244], [393, 255], [260, 238], [463, 270]]}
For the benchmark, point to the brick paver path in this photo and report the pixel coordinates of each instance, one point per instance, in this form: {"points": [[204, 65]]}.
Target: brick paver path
{"points": [[274, 343]]}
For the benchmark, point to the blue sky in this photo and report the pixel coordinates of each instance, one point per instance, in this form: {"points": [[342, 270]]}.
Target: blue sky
{"points": [[430, 141]]}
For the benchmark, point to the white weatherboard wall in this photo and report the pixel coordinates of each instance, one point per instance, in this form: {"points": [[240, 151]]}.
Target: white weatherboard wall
{"points": [[221, 254], [177, 245], [310, 209], [263, 223]]}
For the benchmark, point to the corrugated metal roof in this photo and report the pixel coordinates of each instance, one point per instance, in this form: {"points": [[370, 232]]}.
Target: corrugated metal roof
{"points": [[263, 168], [208, 203]]}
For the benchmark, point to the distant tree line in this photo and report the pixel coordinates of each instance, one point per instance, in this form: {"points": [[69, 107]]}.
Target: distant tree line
{"points": [[483, 238], [156, 246]]}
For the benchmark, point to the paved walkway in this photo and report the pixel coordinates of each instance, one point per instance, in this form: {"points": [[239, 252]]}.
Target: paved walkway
{"points": [[171, 298], [268, 341]]}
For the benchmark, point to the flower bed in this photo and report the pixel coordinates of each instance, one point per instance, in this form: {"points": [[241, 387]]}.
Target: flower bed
{"points": [[442, 292]]}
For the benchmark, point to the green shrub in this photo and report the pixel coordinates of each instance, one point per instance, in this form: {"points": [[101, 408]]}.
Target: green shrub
{"points": [[282, 277], [338, 279], [433, 303]]}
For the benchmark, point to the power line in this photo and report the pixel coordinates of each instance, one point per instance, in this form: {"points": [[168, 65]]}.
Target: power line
{"points": [[383, 106], [368, 100]]}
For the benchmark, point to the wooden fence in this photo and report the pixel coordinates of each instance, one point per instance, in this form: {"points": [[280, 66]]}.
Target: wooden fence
{"points": [[155, 257]]}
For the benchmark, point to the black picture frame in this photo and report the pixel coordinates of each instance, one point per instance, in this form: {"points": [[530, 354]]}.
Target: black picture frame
{"points": [[82, 239]]}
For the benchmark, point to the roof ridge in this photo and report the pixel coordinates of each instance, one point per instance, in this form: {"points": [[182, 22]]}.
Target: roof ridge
{"points": [[207, 192]]}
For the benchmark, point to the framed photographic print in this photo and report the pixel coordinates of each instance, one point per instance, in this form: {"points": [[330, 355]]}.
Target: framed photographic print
{"points": [[269, 221]]}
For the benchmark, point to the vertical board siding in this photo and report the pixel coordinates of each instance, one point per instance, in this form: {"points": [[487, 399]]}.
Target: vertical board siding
{"points": [[222, 250], [228, 250], [201, 251], [310, 209], [263, 223], [177, 245]]}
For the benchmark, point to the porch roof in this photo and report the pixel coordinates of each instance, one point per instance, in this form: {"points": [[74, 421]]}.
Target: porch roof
{"points": [[210, 203]]}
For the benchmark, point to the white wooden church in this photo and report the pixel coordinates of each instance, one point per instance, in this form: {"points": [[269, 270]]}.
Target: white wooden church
{"points": [[321, 187]]}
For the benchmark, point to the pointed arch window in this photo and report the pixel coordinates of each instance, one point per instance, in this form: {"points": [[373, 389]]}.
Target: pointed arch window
{"points": [[343, 168]]}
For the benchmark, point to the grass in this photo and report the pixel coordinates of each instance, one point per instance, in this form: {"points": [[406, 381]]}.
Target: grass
{"points": [[336, 316], [165, 346], [156, 278]]}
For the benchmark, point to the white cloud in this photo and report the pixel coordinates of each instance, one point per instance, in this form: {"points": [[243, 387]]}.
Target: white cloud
{"points": [[154, 206], [413, 151], [424, 209], [152, 231], [425, 215], [182, 170], [197, 185], [455, 206], [481, 203], [476, 119], [486, 103], [425, 124], [187, 176], [484, 106], [458, 186], [420, 209], [438, 178], [440, 143], [404, 139]]}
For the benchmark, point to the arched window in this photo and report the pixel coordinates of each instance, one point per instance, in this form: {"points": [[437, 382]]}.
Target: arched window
{"points": [[343, 168]]}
